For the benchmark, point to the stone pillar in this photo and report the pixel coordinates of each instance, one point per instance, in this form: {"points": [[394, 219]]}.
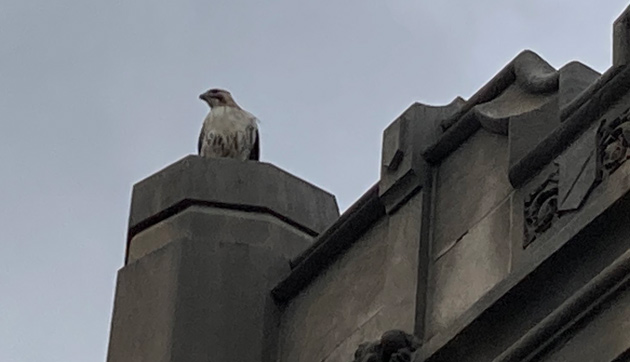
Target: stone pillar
{"points": [[208, 240], [621, 39]]}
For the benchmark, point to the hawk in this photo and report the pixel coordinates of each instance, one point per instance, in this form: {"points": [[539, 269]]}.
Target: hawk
{"points": [[228, 131]]}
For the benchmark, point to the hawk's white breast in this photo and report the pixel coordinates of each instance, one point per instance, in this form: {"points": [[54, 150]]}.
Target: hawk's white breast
{"points": [[228, 132]]}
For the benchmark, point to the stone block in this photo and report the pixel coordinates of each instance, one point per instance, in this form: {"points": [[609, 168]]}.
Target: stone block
{"points": [[207, 222], [574, 78], [144, 308], [393, 144], [195, 300], [528, 129], [253, 186], [470, 183], [375, 280], [471, 268], [403, 168], [342, 298]]}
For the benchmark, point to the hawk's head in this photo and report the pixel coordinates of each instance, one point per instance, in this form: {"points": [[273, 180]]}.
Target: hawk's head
{"points": [[218, 97]]}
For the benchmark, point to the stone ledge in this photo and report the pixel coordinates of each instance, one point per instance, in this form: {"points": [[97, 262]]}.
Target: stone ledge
{"points": [[571, 312], [234, 185], [211, 224]]}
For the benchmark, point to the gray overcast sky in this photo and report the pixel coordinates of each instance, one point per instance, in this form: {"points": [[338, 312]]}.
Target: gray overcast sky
{"points": [[96, 95]]}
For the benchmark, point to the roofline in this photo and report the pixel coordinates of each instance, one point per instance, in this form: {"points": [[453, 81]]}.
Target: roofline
{"points": [[575, 118], [528, 69]]}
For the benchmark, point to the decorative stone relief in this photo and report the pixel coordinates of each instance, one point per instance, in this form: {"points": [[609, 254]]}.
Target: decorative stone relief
{"points": [[541, 208], [579, 173], [614, 143], [394, 346]]}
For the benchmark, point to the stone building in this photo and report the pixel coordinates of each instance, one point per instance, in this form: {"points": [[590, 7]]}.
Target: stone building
{"points": [[499, 231]]}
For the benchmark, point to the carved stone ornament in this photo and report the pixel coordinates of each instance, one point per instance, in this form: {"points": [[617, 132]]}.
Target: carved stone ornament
{"points": [[614, 143], [541, 208], [394, 346]]}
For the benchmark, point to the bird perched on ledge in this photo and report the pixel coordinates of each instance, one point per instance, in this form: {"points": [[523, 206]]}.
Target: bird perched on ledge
{"points": [[228, 130]]}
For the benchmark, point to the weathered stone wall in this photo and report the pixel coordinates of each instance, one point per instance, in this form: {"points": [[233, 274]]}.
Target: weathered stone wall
{"points": [[563, 236], [368, 290], [471, 248]]}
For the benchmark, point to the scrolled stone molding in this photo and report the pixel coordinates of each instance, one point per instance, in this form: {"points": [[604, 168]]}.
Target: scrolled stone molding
{"points": [[231, 185], [528, 70], [524, 88]]}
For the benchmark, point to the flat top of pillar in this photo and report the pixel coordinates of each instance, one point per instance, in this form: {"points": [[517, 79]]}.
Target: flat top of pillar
{"points": [[624, 16], [232, 184]]}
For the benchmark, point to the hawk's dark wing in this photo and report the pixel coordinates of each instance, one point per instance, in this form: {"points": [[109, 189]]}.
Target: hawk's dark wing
{"points": [[201, 135], [255, 154]]}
